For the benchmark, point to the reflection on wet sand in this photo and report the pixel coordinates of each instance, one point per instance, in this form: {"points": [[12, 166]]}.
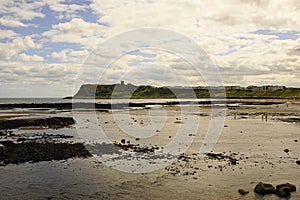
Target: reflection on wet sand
{"points": [[248, 151]]}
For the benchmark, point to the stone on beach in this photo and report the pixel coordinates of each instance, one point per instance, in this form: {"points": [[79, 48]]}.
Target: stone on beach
{"points": [[264, 188], [243, 192], [284, 190], [289, 185]]}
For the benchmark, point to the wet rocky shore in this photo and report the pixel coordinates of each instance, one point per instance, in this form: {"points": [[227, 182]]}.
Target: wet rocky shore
{"points": [[243, 157], [19, 148], [49, 122]]}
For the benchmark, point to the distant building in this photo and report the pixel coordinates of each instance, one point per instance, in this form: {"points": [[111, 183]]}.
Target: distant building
{"points": [[265, 88], [272, 87], [122, 83], [252, 88], [233, 87]]}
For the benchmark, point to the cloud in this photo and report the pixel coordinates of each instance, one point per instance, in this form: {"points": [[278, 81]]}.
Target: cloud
{"points": [[30, 58], [22, 10], [76, 31], [12, 23], [69, 55], [17, 45], [67, 11], [211, 16], [37, 73], [7, 34], [252, 41]]}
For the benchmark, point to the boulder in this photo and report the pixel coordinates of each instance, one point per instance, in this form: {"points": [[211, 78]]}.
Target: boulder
{"points": [[264, 188], [289, 185], [283, 192]]}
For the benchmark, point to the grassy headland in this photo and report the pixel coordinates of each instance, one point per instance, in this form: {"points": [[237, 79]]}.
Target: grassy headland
{"points": [[151, 92]]}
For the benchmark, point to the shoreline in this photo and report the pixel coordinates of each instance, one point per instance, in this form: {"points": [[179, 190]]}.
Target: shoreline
{"points": [[244, 155], [148, 102]]}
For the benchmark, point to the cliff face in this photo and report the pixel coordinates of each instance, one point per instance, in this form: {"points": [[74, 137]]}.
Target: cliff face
{"points": [[86, 91], [106, 91]]}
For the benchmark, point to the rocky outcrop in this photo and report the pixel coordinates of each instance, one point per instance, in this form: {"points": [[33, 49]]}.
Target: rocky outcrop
{"points": [[15, 153], [51, 122]]}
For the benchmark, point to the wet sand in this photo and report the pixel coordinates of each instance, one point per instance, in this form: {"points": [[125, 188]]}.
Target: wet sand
{"points": [[259, 147]]}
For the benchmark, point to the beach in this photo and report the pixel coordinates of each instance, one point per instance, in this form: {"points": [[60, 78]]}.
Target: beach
{"points": [[258, 142]]}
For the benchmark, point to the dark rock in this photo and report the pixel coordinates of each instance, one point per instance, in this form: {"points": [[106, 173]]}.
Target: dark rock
{"points": [[298, 162], [283, 192], [295, 140], [264, 188], [14, 153], [233, 161], [291, 186], [51, 122], [220, 156], [286, 150], [137, 139], [243, 192], [135, 147]]}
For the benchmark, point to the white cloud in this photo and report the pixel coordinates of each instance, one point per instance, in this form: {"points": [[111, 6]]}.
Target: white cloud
{"points": [[7, 34], [30, 58], [17, 45], [21, 10], [66, 10], [76, 31], [227, 31], [38, 73], [12, 23], [69, 55]]}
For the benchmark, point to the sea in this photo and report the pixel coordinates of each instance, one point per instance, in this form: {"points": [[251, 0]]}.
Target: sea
{"points": [[99, 101]]}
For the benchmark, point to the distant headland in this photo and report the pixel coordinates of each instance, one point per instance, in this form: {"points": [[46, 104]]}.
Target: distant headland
{"points": [[122, 90]]}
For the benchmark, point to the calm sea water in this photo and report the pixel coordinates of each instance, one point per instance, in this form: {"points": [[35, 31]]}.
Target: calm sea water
{"points": [[60, 100]]}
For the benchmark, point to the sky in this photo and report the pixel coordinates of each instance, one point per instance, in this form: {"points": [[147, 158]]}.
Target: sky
{"points": [[48, 46]]}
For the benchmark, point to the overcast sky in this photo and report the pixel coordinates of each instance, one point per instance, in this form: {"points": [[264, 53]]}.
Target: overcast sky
{"points": [[45, 44]]}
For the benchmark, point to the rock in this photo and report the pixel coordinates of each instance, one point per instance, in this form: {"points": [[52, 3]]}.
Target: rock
{"points": [[264, 188], [243, 192], [286, 150], [289, 185], [283, 192], [295, 140], [15, 153], [50, 122], [123, 141], [298, 162]]}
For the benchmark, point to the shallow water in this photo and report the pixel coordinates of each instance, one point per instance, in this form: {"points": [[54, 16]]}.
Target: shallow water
{"points": [[259, 147]]}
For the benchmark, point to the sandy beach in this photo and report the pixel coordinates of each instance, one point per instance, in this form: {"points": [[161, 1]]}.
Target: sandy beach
{"points": [[250, 149]]}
